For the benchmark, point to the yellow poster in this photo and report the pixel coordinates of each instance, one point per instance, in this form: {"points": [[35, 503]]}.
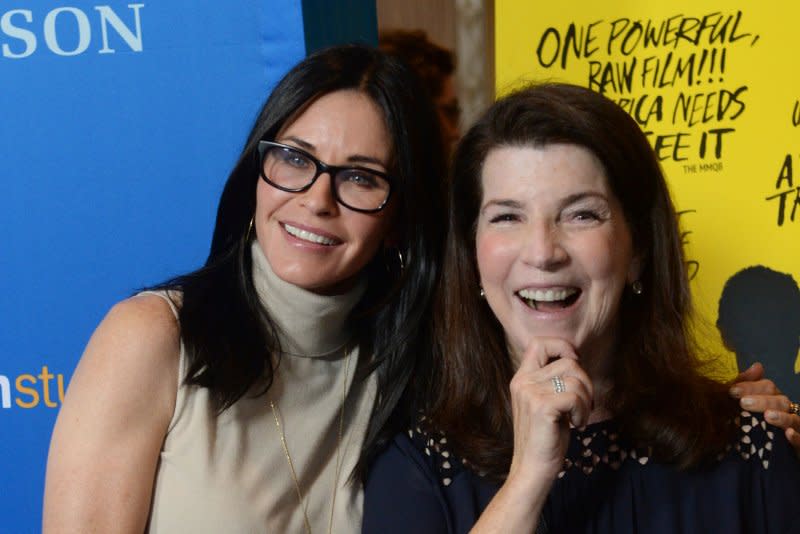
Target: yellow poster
{"points": [[716, 87]]}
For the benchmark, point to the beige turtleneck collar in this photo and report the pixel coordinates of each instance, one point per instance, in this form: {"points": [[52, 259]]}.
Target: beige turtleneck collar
{"points": [[309, 324]]}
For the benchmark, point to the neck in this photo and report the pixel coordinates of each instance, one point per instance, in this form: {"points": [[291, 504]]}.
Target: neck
{"points": [[598, 365]]}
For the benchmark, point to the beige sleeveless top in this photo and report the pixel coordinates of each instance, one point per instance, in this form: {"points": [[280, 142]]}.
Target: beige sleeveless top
{"points": [[229, 473]]}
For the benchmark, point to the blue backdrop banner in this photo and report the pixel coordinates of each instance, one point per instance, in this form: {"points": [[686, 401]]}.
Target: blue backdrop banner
{"points": [[120, 122]]}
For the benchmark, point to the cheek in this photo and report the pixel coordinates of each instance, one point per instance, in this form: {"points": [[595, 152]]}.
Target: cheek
{"points": [[371, 232], [374, 236], [268, 199], [620, 260], [601, 261], [608, 262], [494, 256]]}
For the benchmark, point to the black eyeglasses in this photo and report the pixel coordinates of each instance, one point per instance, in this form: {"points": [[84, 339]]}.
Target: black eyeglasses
{"points": [[294, 170]]}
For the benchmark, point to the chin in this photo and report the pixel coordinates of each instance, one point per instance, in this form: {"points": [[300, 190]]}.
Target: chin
{"points": [[296, 277]]}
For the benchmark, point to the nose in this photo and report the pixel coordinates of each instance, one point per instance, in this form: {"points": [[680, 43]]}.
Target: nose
{"points": [[319, 197], [542, 247]]}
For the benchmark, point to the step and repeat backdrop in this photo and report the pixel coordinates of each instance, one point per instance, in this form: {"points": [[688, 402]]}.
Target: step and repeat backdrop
{"points": [[119, 121], [716, 87]]}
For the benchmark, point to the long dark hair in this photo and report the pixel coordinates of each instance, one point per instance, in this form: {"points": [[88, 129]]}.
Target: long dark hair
{"points": [[229, 337], [659, 397]]}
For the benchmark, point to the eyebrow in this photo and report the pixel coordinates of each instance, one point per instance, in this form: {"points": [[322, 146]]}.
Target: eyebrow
{"points": [[353, 158], [576, 197], [570, 199], [503, 203]]}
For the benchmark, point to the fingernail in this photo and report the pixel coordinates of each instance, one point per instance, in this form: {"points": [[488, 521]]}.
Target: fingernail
{"points": [[771, 415], [747, 402], [736, 391]]}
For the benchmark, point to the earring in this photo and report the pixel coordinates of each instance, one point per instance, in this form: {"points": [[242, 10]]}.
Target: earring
{"points": [[636, 287], [249, 229], [400, 261], [482, 292]]}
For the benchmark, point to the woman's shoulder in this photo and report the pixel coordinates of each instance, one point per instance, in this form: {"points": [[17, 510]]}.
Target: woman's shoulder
{"points": [[753, 443], [155, 302], [434, 447], [428, 450], [130, 366], [148, 320], [755, 440], [137, 342], [417, 484]]}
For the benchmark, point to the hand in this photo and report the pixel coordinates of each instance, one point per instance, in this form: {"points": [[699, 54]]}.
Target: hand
{"points": [[541, 416], [541, 433], [758, 394]]}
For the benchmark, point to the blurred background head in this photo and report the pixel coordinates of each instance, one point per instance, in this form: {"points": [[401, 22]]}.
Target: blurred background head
{"points": [[435, 65]]}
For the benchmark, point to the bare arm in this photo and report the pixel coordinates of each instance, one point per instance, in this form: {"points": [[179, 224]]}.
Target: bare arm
{"points": [[758, 394], [108, 435]]}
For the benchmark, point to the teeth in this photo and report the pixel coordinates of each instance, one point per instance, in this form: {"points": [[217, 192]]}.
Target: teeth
{"points": [[547, 295], [308, 236]]}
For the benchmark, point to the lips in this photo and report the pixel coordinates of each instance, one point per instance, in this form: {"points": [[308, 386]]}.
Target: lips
{"points": [[550, 298], [309, 236]]}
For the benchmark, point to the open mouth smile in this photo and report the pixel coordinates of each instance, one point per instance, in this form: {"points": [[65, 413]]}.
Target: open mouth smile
{"points": [[554, 298], [311, 237]]}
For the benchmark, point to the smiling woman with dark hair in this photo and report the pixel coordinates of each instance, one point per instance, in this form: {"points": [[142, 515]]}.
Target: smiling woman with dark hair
{"points": [[568, 394], [242, 397]]}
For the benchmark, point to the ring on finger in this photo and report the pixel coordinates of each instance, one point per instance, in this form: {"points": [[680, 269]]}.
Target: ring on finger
{"points": [[558, 384], [794, 408]]}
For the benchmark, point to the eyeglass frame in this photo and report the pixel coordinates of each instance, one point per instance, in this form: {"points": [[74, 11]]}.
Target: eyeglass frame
{"points": [[321, 168]]}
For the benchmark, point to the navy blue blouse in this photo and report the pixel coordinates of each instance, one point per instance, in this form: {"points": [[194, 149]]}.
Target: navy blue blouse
{"points": [[606, 486]]}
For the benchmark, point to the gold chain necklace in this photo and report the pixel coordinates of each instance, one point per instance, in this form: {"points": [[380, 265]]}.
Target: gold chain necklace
{"points": [[276, 414]]}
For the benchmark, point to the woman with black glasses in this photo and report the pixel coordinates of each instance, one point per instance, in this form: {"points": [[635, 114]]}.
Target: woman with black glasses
{"points": [[241, 397]]}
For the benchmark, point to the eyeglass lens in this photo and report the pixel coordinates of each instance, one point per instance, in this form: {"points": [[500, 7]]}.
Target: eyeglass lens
{"points": [[355, 187]]}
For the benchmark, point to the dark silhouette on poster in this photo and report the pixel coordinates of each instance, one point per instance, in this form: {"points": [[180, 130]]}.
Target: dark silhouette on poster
{"points": [[759, 320]]}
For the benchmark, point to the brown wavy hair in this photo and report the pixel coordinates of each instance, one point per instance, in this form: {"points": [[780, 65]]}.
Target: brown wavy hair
{"points": [[660, 396]]}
